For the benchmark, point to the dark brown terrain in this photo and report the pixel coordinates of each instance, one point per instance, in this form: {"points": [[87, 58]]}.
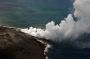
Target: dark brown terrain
{"points": [[15, 44]]}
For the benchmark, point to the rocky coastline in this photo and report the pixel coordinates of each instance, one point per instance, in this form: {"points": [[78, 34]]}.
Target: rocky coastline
{"points": [[15, 44]]}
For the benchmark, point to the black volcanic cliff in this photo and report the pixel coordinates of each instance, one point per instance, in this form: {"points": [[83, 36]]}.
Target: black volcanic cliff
{"points": [[15, 44]]}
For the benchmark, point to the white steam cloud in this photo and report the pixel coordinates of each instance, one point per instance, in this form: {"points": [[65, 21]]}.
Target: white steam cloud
{"points": [[68, 27]]}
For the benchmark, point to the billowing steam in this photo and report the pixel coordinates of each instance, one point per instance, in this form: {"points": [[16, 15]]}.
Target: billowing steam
{"points": [[67, 27]]}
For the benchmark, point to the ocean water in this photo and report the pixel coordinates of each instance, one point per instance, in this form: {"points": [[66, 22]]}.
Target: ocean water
{"points": [[37, 13], [71, 49], [26, 13]]}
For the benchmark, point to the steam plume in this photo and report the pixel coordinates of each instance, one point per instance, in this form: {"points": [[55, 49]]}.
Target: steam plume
{"points": [[67, 27]]}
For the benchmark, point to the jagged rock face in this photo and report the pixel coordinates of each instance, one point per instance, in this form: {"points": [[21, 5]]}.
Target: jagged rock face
{"points": [[17, 45]]}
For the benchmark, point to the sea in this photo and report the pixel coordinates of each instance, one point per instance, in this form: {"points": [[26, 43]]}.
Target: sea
{"points": [[26, 13], [37, 13]]}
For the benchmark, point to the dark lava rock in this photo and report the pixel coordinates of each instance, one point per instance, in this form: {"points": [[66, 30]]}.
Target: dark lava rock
{"points": [[15, 44]]}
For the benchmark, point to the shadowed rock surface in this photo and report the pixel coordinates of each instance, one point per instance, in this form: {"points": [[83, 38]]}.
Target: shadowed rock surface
{"points": [[18, 45]]}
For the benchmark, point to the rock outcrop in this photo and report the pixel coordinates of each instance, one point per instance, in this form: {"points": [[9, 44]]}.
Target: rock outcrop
{"points": [[15, 44]]}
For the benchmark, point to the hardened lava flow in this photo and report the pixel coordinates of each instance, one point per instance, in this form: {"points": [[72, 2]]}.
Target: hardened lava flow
{"points": [[15, 44]]}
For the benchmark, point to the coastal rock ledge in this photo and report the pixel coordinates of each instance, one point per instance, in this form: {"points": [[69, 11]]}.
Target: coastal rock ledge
{"points": [[15, 44]]}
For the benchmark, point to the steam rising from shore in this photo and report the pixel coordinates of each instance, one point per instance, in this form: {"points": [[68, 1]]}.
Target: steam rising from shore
{"points": [[67, 27]]}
